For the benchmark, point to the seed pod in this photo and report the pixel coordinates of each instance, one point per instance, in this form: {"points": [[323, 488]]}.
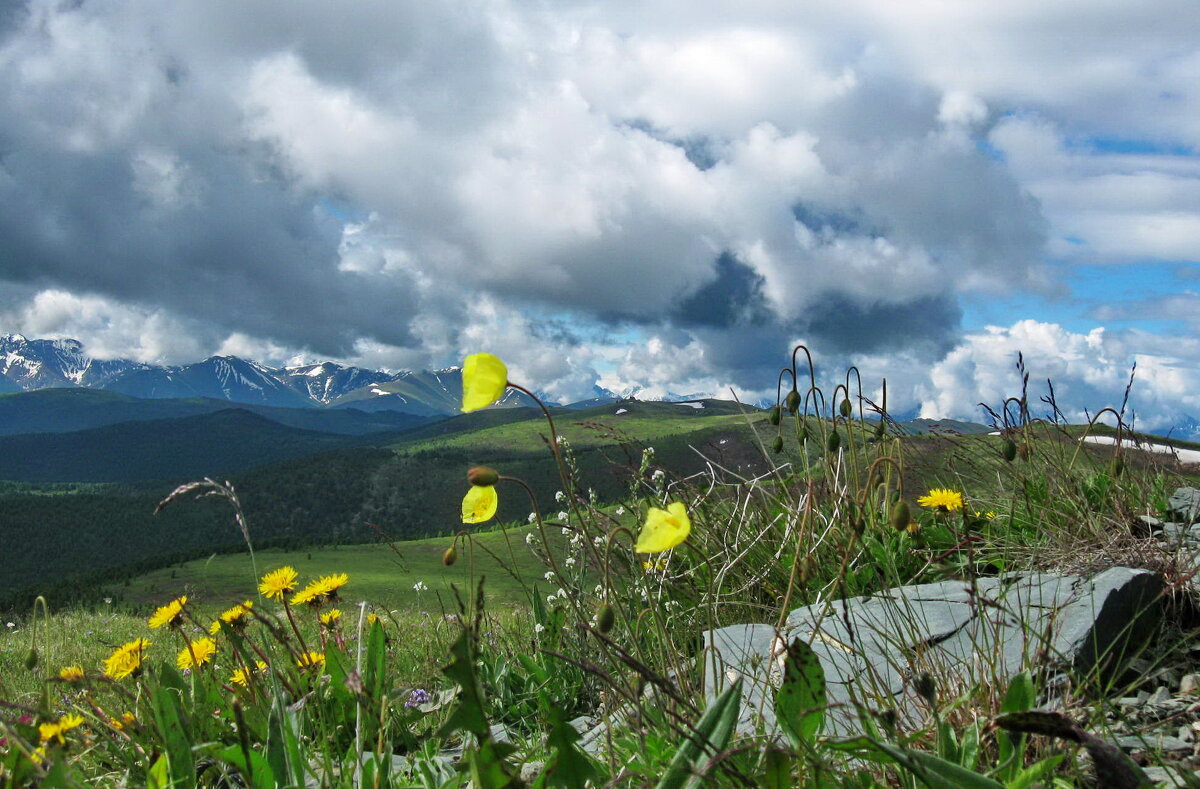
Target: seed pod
{"points": [[802, 433], [776, 415], [1010, 450], [482, 476], [777, 445], [793, 401], [881, 428], [901, 515], [606, 617], [31, 660], [833, 442], [450, 556], [926, 688], [846, 408]]}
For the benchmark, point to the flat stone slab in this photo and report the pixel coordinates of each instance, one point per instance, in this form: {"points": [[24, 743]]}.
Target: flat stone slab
{"points": [[1185, 503], [960, 633]]}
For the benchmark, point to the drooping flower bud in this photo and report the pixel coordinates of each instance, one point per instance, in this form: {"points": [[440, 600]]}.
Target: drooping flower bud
{"points": [[606, 617], [777, 445], [450, 556], [31, 660], [775, 415], [833, 442], [846, 408], [483, 476], [1010, 450], [793, 401], [901, 515]]}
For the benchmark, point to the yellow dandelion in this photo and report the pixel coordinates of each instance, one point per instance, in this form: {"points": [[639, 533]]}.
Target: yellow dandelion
{"points": [[310, 659], [479, 504], [664, 529], [324, 588], [330, 618], [913, 527], [942, 499], [277, 583], [197, 653], [126, 721], [72, 674], [169, 615], [56, 730], [242, 677], [127, 659], [235, 617], [484, 379], [373, 618]]}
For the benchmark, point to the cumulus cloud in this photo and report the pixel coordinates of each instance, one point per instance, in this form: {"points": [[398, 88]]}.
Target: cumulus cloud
{"points": [[395, 185]]}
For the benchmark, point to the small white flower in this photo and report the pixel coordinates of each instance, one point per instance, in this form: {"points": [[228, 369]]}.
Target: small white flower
{"points": [[599, 541], [420, 586], [599, 590], [551, 599], [549, 576], [559, 496], [11, 624], [576, 538], [563, 515], [562, 441], [620, 510], [658, 474], [533, 517], [570, 561], [539, 627], [108, 601], [566, 530], [530, 539], [562, 593]]}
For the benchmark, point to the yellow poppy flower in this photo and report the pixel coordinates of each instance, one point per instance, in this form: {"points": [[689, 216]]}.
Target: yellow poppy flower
{"points": [[197, 653], [479, 504], [484, 379], [664, 529], [170, 614], [942, 499], [278, 582], [127, 659]]}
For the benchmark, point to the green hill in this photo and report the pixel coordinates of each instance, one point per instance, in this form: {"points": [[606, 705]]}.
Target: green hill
{"points": [[68, 410]]}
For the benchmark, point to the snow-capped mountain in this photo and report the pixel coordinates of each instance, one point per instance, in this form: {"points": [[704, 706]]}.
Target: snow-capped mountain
{"points": [[46, 364], [40, 364], [219, 377], [327, 381]]}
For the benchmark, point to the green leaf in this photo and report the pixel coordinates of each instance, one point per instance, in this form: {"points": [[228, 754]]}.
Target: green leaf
{"points": [[172, 724], [1020, 697], [777, 769], [256, 769], [801, 698], [158, 777], [487, 765], [375, 670], [1034, 772], [709, 738], [569, 767], [936, 772], [468, 714]]}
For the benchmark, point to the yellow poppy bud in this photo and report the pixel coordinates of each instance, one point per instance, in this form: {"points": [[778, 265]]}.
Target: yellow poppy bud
{"points": [[482, 475], [664, 529], [479, 504], [484, 378]]}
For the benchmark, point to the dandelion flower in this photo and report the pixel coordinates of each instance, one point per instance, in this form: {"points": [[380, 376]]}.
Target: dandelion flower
{"points": [[169, 615], [242, 677], [664, 529], [330, 618], [126, 720], [197, 653], [277, 583], [310, 659], [942, 499], [72, 674], [484, 378], [235, 617], [319, 591], [127, 659], [479, 504], [56, 730], [913, 527], [373, 618]]}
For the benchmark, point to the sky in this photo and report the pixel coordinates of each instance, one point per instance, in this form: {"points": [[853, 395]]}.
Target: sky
{"points": [[640, 194]]}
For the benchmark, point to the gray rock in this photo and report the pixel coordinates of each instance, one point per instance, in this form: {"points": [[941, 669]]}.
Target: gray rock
{"points": [[1152, 742], [1189, 684], [1185, 502], [870, 647]]}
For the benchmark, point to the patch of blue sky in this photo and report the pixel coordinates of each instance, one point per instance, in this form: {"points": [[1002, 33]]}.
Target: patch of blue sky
{"points": [[1122, 145], [1125, 289]]}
